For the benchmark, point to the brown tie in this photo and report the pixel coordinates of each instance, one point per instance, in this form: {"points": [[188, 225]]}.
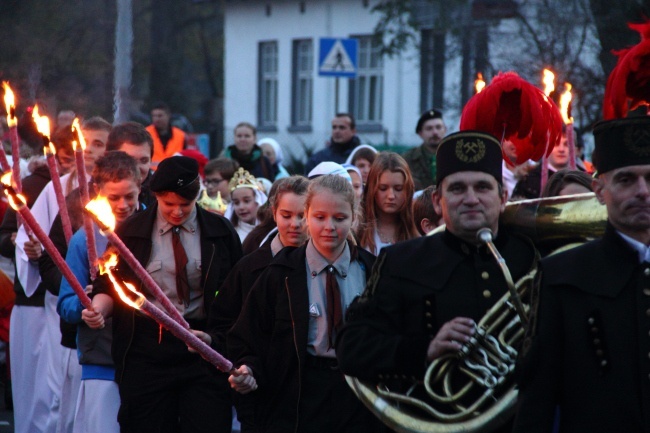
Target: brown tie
{"points": [[180, 257], [334, 309]]}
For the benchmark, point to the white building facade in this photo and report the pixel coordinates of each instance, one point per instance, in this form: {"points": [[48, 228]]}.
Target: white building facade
{"points": [[272, 62], [272, 81]]}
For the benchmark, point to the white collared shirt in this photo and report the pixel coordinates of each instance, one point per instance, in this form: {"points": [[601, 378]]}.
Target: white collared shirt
{"points": [[642, 249]]}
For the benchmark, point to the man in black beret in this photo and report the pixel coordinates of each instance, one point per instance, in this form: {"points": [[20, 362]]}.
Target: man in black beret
{"points": [[422, 159], [175, 174], [427, 294], [587, 350]]}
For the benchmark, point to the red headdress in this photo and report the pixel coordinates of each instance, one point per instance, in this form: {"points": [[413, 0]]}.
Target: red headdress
{"points": [[628, 86], [511, 108]]}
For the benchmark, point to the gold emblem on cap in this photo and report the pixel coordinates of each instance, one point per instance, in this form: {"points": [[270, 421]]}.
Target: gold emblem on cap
{"points": [[636, 139], [470, 151]]}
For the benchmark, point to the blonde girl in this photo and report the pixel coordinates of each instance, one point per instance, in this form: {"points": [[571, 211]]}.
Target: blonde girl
{"points": [[284, 335]]}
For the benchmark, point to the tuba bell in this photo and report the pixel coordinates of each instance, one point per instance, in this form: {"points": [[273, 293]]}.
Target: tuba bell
{"points": [[474, 390]]}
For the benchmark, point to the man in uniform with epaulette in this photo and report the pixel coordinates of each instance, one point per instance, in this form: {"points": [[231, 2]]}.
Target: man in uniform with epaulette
{"points": [[587, 350], [427, 294]]}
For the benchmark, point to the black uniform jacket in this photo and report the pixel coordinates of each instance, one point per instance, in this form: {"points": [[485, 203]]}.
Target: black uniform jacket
{"points": [[220, 250], [589, 342], [227, 303], [270, 336], [416, 287]]}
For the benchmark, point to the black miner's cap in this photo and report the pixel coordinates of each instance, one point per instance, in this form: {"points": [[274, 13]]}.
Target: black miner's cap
{"points": [[469, 151], [621, 143]]}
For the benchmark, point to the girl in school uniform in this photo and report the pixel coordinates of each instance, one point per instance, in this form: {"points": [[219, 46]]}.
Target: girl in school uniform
{"points": [[283, 340]]}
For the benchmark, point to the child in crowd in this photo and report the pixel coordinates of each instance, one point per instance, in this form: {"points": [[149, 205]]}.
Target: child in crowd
{"points": [[298, 305], [273, 151], [362, 157], [116, 177], [425, 216], [218, 173], [246, 197], [164, 387], [288, 206], [357, 180], [388, 204]]}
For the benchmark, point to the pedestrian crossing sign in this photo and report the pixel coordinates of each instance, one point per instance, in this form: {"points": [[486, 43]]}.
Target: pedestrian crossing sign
{"points": [[338, 57]]}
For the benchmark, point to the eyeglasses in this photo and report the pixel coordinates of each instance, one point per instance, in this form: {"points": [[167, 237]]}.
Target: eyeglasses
{"points": [[213, 181]]}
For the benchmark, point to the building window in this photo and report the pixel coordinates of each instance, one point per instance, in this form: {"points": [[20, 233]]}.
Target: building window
{"points": [[432, 73], [303, 82], [268, 85], [366, 90]]}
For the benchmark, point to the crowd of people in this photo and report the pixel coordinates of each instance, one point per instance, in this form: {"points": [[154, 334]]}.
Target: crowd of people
{"points": [[298, 278]]}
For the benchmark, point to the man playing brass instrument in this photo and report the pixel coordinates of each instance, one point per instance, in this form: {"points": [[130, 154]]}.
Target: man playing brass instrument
{"points": [[426, 295], [587, 350]]}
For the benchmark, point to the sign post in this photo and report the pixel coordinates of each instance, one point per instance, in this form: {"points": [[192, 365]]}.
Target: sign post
{"points": [[337, 58]]}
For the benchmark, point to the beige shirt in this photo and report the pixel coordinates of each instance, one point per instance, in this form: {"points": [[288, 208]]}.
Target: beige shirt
{"points": [[162, 266], [352, 280]]}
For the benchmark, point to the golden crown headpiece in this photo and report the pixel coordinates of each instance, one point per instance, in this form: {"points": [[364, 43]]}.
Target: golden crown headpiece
{"points": [[216, 204], [243, 179]]}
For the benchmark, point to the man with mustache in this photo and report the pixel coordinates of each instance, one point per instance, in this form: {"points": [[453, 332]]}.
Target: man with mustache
{"points": [[426, 295], [422, 159], [587, 349]]}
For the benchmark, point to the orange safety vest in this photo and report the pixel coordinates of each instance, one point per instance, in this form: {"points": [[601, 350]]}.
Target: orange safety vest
{"points": [[174, 145]]}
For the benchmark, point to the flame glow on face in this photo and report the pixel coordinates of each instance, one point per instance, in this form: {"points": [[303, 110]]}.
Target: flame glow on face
{"points": [[77, 128], [10, 103], [479, 83], [101, 208], [106, 267], [565, 100], [549, 81]]}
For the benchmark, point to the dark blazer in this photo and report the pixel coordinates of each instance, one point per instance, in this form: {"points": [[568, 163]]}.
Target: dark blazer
{"points": [[588, 344], [270, 336], [220, 250], [416, 287], [227, 304]]}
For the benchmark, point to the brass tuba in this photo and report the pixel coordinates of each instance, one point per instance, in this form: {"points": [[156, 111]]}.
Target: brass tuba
{"points": [[474, 390]]}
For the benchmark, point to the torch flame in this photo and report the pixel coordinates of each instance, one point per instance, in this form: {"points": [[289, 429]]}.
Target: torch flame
{"points": [[565, 100], [549, 81], [16, 201], [42, 122], [77, 128], [100, 207], [106, 268], [10, 103], [6, 179], [479, 83]]}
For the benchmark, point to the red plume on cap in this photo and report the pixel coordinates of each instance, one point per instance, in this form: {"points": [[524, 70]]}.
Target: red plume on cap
{"points": [[628, 86], [512, 108]]}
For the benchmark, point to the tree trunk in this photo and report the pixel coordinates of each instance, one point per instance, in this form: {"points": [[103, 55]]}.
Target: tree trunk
{"points": [[611, 24]]}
